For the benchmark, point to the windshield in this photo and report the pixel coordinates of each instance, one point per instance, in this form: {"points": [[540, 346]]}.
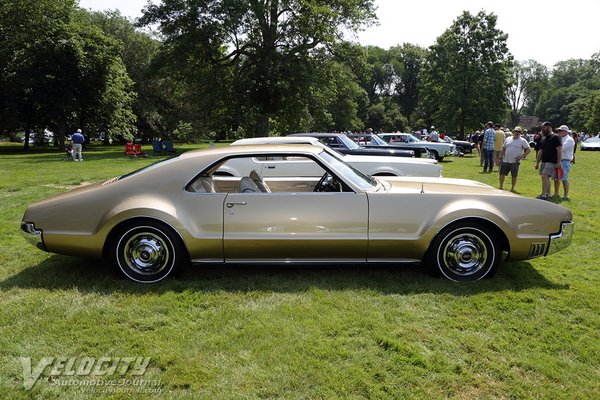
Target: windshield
{"points": [[359, 179], [376, 140], [349, 143]]}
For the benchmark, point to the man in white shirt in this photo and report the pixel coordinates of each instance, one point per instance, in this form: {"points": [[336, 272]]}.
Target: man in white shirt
{"points": [[568, 149], [433, 135], [515, 149]]}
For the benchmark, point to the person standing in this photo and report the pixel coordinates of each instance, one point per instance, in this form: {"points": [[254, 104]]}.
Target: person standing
{"points": [[567, 158], [434, 135], [488, 145], [498, 143], [575, 137], [548, 158], [477, 138], [514, 150], [77, 140]]}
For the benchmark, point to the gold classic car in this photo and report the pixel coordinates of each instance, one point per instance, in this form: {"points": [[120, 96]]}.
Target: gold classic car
{"points": [[152, 222]]}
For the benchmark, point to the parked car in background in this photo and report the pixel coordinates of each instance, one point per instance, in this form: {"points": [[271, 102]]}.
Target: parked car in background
{"points": [[152, 222], [437, 149], [592, 143], [462, 146], [370, 165], [371, 140], [343, 144]]}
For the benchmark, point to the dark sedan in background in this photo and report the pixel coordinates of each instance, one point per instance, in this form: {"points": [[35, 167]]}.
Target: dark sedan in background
{"points": [[343, 144], [375, 142], [462, 146]]}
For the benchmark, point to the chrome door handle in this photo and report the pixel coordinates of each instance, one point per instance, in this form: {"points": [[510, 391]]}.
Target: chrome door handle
{"points": [[236, 203]]}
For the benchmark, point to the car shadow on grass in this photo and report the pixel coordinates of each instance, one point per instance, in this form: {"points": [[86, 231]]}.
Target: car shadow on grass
{"points": [[66, 273]]}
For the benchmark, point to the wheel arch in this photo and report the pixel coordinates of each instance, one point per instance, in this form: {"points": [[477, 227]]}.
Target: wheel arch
{"points": [[485, 222], [385, 173], [115, 230]]}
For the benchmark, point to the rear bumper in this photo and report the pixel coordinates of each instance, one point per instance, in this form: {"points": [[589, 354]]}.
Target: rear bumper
{"points": [[562, 239]]}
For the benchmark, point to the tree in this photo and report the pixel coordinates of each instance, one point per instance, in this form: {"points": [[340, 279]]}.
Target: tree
{"points": [[571, 94], [529, 78], [407, 65], [59, 71], [466, 74], [153, 104], [264, 41]]}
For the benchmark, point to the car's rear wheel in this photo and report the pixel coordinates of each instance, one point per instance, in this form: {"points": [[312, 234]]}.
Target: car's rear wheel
{"points": [[147, 252], [465, 252]]}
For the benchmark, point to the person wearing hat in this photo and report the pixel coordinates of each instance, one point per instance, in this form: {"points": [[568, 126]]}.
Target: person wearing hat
{"points": [[488, 145], [77, 140], [434, 135], [548, 158], [514, 150], [567, 153]]}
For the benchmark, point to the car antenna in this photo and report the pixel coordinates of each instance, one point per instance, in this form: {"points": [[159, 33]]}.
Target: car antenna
{"points": [[422, 188]]}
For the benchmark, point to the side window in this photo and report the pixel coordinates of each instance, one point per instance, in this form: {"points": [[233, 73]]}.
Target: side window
{"points": [[260, 174]]}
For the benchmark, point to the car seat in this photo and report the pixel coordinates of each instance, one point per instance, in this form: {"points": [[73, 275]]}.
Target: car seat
{"points": [[247, 185], [259, 181]]}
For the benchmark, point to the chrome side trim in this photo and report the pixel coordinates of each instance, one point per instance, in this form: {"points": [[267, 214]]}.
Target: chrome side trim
{"points": [[32, 235], [300, 262], [562, 239]]}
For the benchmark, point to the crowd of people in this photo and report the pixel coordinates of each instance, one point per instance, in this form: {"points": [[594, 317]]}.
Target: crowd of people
{"points": [[554, 154]]}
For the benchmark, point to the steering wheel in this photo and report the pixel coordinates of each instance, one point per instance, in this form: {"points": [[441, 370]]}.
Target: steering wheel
{"points": [[328, 183]]}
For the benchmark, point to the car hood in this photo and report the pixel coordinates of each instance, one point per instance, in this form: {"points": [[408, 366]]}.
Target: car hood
{"points": [[440, 185], [351, 158]]}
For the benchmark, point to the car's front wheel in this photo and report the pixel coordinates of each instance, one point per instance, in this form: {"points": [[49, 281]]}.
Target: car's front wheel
{"points": [[147, 252], [465, 252], [436, 155]]}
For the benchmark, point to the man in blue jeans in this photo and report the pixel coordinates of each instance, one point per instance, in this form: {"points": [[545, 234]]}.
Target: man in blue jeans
{"points": [[488, 145]]}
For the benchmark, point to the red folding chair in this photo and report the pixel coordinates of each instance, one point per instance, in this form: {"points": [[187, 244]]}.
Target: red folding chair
{"points": [[130, 150]]}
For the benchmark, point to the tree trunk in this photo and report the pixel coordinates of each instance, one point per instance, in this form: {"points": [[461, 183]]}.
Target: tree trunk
{"points": [[262, 125], [61, 133], [27, 136]]}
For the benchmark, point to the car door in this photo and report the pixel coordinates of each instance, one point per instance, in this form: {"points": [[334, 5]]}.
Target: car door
{"points": [[295, 226]]}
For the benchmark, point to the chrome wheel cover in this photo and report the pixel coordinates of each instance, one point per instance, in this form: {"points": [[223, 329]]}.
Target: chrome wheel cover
{"points": [[146, 253], [464, 254]]}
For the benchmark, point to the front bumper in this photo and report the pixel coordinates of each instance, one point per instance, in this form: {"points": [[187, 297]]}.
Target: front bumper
{"points": [[562, 239], [32, 235]]}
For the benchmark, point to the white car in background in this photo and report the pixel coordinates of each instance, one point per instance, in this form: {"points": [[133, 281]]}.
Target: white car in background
{"points": [[439, 150], [370, 165], [592, 143]]}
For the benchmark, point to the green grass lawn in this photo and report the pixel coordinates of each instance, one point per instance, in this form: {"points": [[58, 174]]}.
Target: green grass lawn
{"points": [[302, 333]]}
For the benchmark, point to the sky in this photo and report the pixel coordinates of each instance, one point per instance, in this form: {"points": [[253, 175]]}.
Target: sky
{"points": [[543, 30]]}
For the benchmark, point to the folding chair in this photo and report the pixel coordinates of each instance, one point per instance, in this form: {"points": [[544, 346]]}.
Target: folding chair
{"points": [[157, 146], [169, 146], [129, 150]]}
